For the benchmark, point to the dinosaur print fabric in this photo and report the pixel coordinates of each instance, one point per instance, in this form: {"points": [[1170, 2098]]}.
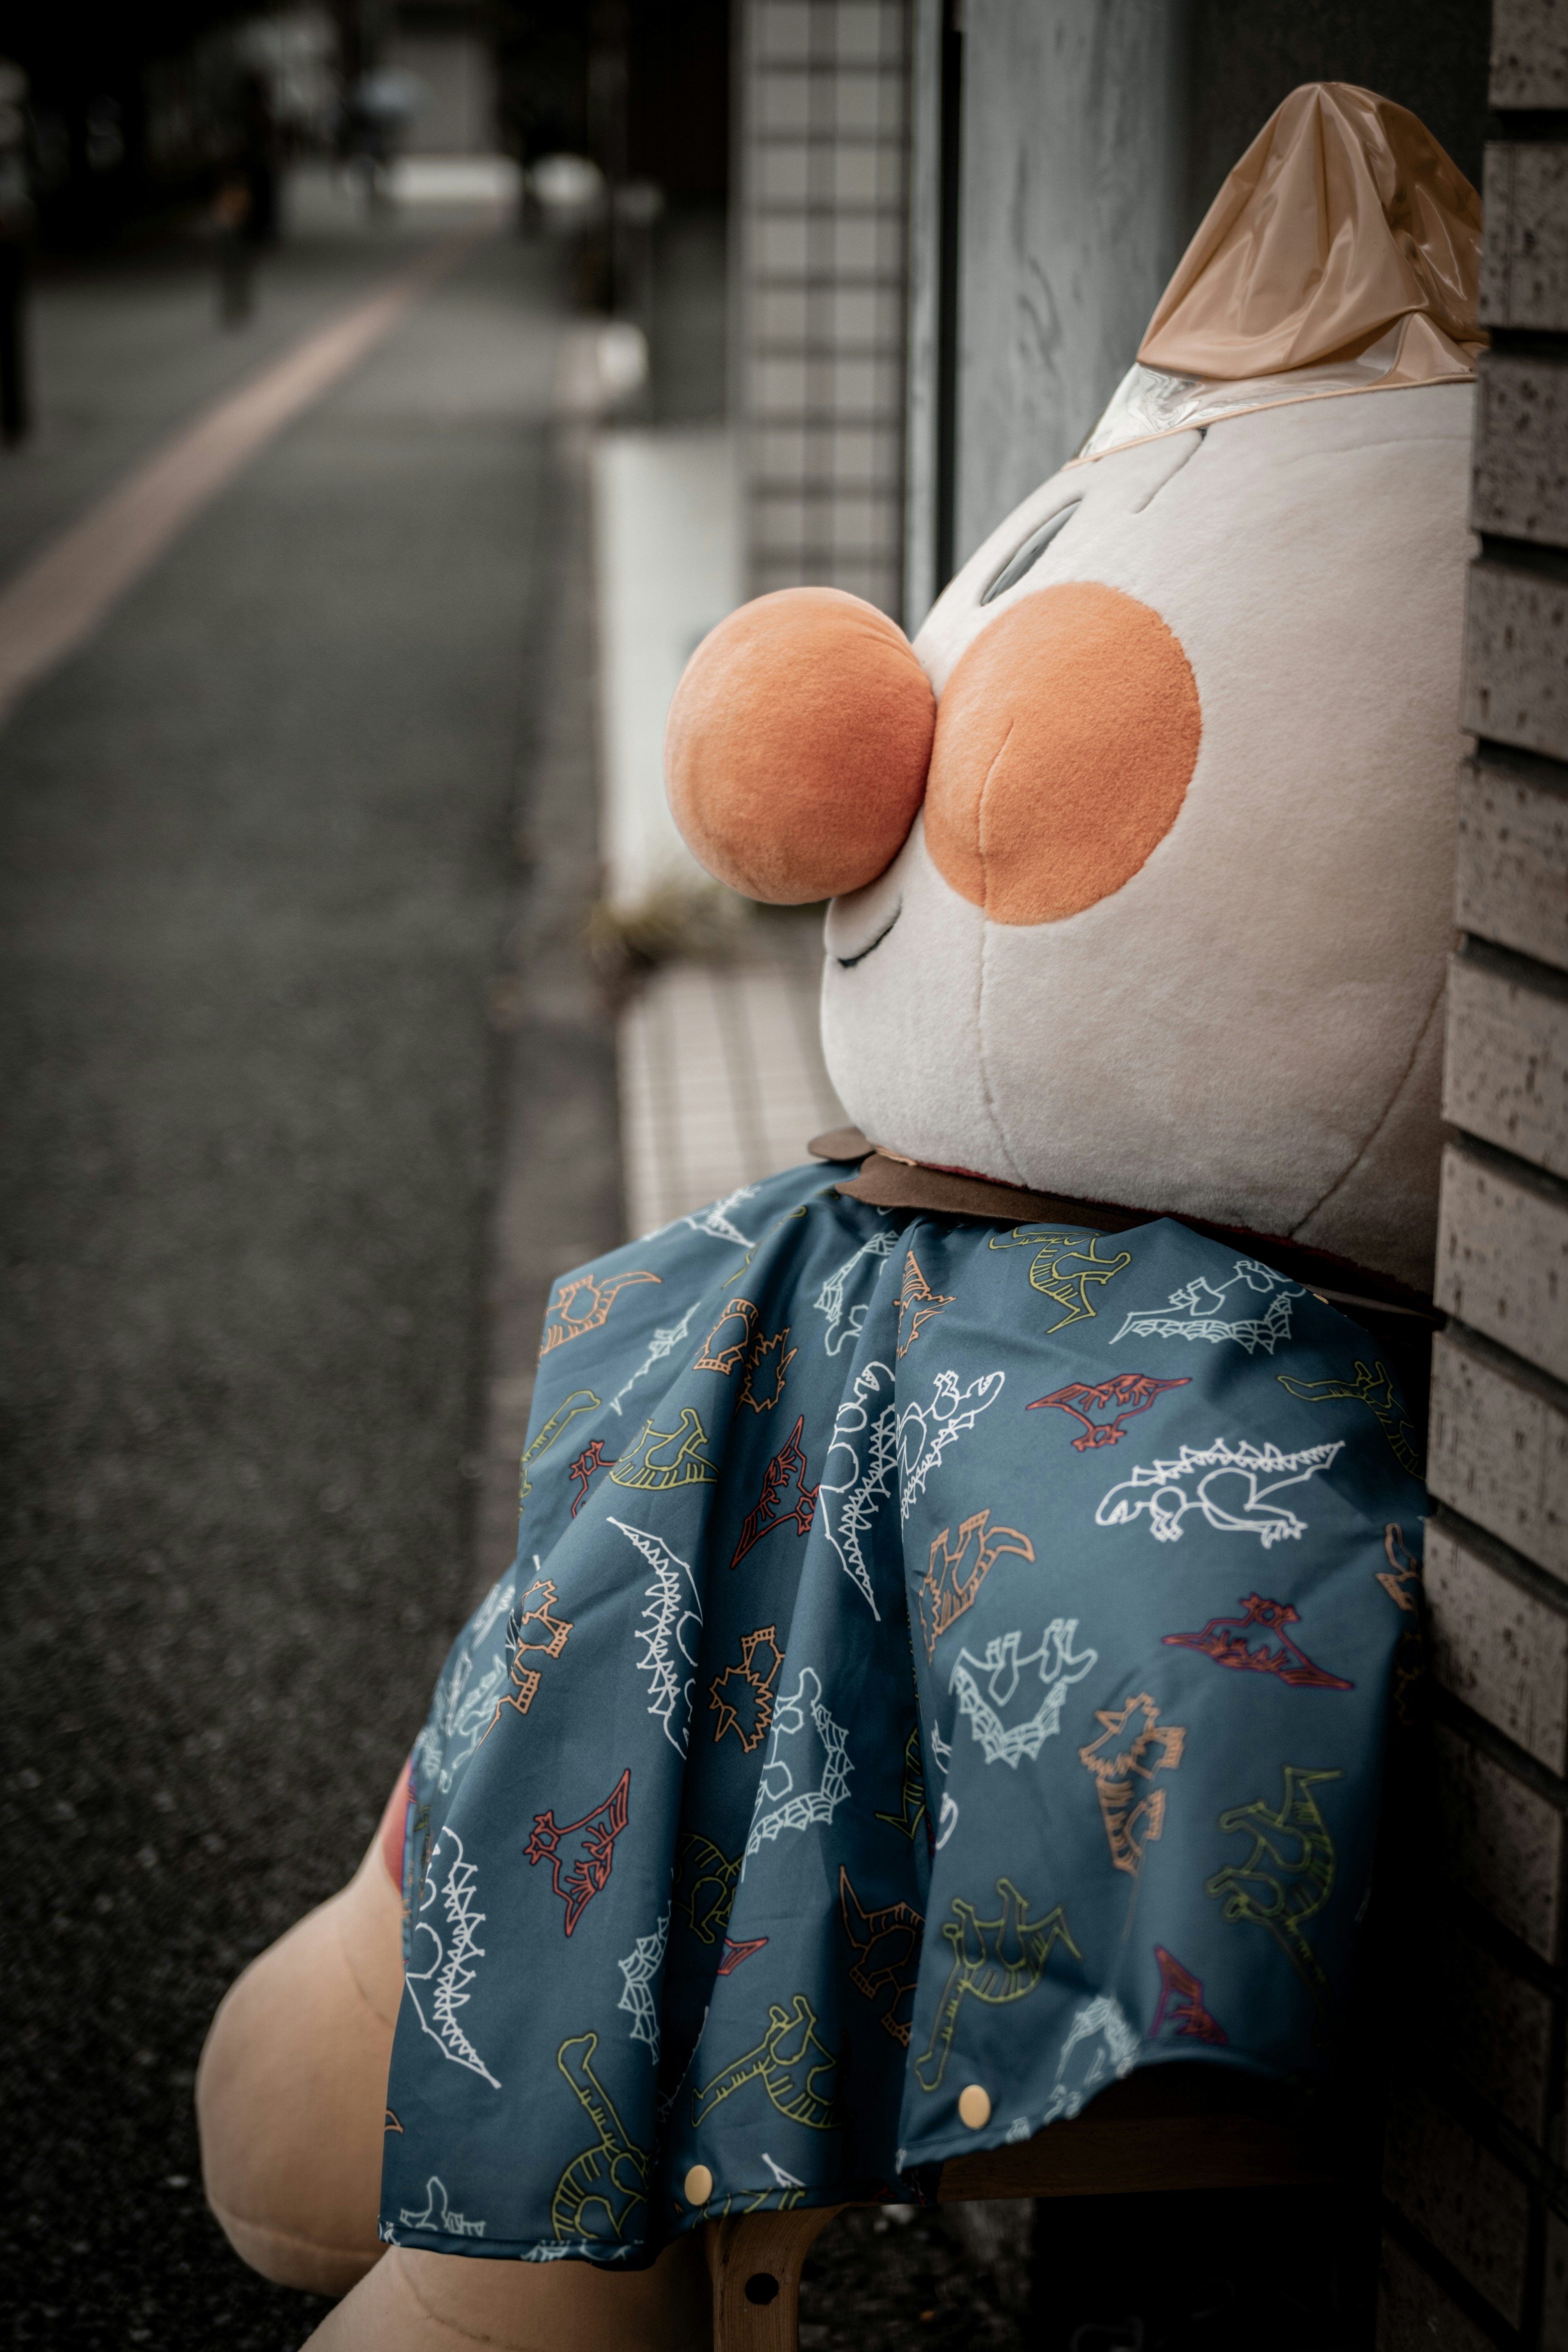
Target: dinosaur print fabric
{"points": [[936, 1655]]}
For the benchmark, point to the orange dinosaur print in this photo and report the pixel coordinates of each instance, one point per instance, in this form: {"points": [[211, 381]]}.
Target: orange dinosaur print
{"points": [[539, 1601], [919, 1302], [743, 1693], [1124, 1760], [945, 1591], [751, 1350], [602, 1296]]}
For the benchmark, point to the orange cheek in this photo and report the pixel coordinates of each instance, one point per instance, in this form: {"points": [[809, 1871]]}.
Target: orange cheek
{"points": [[798, 744], [1065, 742]]}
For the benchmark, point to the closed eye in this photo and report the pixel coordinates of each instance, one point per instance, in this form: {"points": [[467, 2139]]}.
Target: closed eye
{"points": [[1029, 554], [848, 963]]}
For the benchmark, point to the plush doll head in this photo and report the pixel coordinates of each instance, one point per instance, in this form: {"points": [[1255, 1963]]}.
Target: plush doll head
{"points": [[1141, 859]]}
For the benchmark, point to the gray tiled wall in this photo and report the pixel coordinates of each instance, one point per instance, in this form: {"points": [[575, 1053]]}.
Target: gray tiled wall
{"points": [[821, 288], [1476, 2252]]}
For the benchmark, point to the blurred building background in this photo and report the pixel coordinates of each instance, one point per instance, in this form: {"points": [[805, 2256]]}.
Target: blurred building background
{"points": [[402, 389]]}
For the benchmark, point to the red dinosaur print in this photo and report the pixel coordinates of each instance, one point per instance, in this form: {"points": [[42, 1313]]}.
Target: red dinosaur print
{"points": [[1130, 1392], [735, 1953], [1224, 1639], [590, 1863], [592, 1457], [1181, 2001], [771, 1511]]}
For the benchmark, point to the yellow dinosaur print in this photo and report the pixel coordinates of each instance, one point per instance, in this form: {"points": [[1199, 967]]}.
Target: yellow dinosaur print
{"points": [[993, 1960], [689, 1465], [781, 2063], [1053, 1272], [604, 2189]]}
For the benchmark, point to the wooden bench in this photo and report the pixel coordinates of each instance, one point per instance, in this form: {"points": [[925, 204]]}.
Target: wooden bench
{"points": [[1171, 2127]]}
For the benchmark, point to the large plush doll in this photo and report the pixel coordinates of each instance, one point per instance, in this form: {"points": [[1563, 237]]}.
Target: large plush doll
{"points": [[945, 1664]]}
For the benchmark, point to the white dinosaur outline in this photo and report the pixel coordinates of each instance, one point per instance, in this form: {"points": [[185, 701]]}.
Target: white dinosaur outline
{"points": [[829, 1299], [866, 1487], [449, 1972], [1160, 1493], [462, 1710], [790, 1808], [714, 1221], [1009, 1743], [664, 1343], [640, 1969], [916, 1461], [450, 2224], [564, 2250], [668, 1622], [1204, 1300], [1104, 2016]]}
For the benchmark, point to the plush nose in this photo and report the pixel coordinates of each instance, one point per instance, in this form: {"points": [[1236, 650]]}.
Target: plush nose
{"points": [[798, 744], [1066, 739]]}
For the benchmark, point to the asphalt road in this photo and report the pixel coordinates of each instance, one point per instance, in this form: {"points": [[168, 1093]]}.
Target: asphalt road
{"points": [[257, 869]]}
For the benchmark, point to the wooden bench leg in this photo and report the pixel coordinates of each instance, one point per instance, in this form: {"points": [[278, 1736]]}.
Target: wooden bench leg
{"points": [[755, 2261]]}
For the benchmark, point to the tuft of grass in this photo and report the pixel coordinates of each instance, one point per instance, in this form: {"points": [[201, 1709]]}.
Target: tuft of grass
{"points": [[692, 923]]}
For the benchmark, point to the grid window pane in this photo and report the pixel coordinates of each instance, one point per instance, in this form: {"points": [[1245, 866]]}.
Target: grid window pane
{"points": [[783, 173], [779, 315], [779, 243], [783, 102], [824, 313], [781, 29]]}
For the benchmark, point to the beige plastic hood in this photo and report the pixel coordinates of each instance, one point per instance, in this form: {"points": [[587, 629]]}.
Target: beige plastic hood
{"points": [[1342, 254]]}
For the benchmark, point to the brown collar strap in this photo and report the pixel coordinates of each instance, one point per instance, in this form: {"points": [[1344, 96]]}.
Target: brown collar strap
{"points": [[887, 1181]]}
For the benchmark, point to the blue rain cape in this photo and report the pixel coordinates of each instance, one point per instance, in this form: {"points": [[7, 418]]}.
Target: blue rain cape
{"points": [[944, 1668]]}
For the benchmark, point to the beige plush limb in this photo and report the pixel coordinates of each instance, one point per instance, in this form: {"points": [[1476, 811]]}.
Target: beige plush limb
{"points": [[291, 2102], [416, 2302], [292, 2089]]}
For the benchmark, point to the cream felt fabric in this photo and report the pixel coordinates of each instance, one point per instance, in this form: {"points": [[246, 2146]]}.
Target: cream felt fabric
{"points": [[416, 2302], [1400, 1162], [291, 2090], [1237, 1032]]}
